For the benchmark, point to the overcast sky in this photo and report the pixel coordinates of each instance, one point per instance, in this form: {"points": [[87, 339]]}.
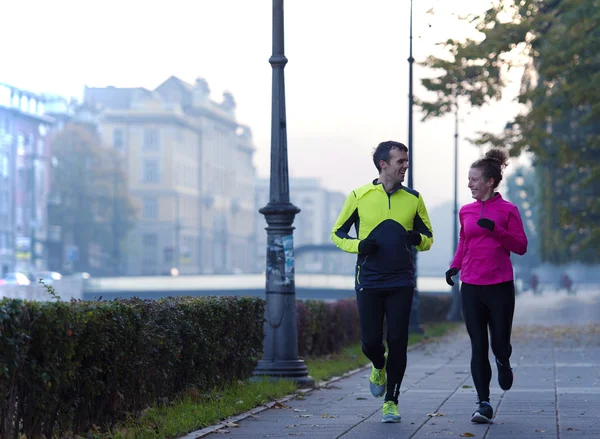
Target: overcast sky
{"points": [[346, 80]]}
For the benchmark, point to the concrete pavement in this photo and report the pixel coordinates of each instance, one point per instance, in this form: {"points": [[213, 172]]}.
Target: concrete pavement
{"points": [[556, 393]]}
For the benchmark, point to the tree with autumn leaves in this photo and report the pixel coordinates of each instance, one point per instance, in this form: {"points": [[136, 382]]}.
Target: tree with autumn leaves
{"points": [[92, 205], [558, 44]]}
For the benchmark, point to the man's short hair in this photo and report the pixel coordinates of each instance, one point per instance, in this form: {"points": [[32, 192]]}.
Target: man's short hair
{"points": [[382, 152]]}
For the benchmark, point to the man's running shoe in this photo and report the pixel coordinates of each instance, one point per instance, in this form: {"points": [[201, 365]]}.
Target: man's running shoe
{"points": [[505, 375], [484, 414], [390, 412], [377, 382]]}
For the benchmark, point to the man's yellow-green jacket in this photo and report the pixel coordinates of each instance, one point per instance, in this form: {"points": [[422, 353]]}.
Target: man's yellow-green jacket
{"points": [[385, 218]]}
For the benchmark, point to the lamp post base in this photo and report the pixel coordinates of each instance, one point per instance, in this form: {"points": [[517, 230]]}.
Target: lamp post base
{"points": [[294, 370]]}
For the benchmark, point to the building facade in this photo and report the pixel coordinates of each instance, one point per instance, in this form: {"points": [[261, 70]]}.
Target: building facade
{"points": [[190, 172], [319, 209], [25, 161]]}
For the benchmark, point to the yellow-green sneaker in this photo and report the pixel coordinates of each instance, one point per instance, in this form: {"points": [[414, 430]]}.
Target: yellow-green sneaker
{"points": [[377, 382], [390, 412]]}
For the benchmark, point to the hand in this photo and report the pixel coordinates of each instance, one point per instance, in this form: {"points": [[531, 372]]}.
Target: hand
{"points": [[413, 237], [486, 224], [452, 272], [367, 246]]}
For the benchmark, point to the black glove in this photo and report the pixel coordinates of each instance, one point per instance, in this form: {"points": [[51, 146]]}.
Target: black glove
{"points": [[413, 237], [452, 272], [367, 246], [486, 224]]}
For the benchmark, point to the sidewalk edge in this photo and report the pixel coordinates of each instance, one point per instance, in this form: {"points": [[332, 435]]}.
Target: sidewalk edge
{"points": [[320, 385]]}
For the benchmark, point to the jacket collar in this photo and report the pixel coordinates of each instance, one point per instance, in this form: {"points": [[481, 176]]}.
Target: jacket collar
{"points": [[495, 198], [380, 186]]}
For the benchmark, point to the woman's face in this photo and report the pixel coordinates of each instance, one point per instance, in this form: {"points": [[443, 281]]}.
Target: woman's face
{"points": [[480, 188]]}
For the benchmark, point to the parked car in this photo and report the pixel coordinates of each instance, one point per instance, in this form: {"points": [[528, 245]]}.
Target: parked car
{"points": [[16, 279], [48, 277]]}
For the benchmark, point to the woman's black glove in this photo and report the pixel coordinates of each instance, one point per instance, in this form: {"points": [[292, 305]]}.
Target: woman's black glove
{"points": [[486, 224], [452, 272]]}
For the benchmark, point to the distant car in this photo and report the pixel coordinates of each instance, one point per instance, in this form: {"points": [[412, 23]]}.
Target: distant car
{"points": [[16, 279], [48, 277]]}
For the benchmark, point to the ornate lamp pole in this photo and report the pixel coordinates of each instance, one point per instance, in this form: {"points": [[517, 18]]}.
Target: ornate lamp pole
{"points": [[454, 313], [415, 324], [280, 354]]}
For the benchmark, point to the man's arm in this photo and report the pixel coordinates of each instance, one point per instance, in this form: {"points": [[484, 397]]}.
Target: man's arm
{"points": [[423, 226], [348, 216]]}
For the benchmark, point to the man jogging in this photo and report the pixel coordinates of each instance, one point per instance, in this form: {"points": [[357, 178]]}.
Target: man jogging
{"points": [[389, 220]]}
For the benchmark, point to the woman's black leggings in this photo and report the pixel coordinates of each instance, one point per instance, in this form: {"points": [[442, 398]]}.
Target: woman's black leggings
{"points": [[394, 305], [486, 306]]}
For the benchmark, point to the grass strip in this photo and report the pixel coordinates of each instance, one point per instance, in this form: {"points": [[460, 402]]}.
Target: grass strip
{"points": [[193, 411]]}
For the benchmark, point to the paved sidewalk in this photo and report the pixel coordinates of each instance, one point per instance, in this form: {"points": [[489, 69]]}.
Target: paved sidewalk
{"points": [[556, 394]]}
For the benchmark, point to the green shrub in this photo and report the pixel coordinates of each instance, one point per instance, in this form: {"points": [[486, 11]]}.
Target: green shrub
{"points": [[66, 366]]}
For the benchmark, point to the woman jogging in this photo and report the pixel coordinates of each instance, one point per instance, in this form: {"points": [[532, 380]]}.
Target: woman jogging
{"points": [[490, 229]]}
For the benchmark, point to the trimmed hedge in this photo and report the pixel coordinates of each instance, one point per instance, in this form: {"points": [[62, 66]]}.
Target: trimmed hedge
{"points": [[65, 366], [325, 328]]}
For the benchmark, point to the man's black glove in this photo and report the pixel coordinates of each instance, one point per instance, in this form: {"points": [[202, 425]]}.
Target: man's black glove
{"points": [[413, 237], [367, 246], [452, 272], [486, 224]]}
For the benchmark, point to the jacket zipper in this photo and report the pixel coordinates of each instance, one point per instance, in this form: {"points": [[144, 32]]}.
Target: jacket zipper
{"points": [[482, 207], [358, 269]]}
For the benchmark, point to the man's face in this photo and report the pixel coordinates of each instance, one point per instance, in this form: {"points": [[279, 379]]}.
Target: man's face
{"points": [[395, 170]]}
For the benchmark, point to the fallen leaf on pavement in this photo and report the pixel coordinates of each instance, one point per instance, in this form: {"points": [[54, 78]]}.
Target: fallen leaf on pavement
{"points": [[467, 434], [222, 431], [432, 415], [232, 425], [325, 415], [279, 405]]}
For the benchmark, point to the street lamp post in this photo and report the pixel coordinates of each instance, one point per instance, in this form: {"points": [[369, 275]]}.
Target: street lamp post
{"points": [[454, 313], [280, 352], [415, 324], [116, 218]]}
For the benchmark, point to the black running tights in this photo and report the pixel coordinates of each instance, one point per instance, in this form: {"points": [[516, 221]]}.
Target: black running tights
{"points": [[488, 306], [394, 305]]}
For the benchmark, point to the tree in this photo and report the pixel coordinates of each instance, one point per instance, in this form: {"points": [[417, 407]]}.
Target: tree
{"points": [[557, 42], [94, 210]]}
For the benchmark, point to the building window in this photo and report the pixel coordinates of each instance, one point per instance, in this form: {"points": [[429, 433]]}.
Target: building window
{"points": [[151, 140], [118, 139], [150, 208], [4, 165], [150, 246], [150, 171], [4, 202], [30, 144], [20, 144]]}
